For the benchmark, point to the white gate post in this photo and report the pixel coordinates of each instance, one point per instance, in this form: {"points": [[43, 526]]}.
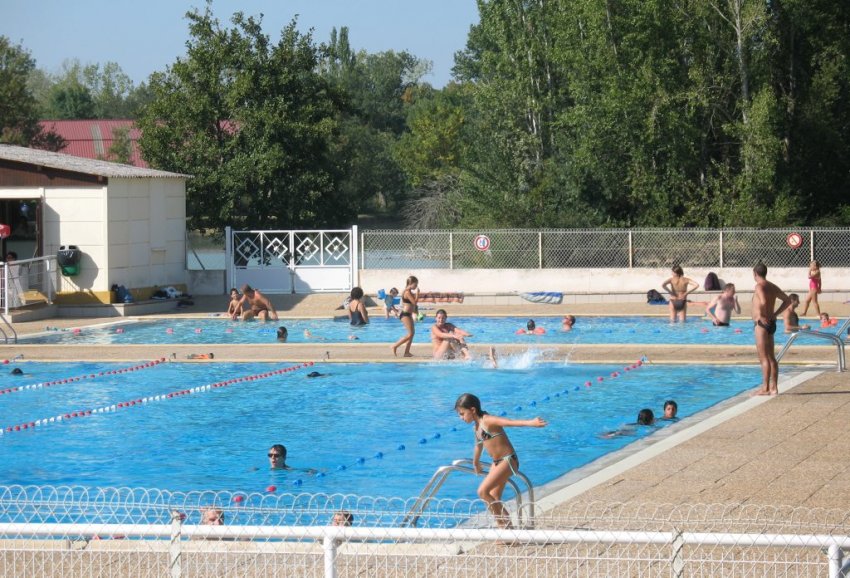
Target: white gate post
{"points": [[354, 258], [228, 259]]}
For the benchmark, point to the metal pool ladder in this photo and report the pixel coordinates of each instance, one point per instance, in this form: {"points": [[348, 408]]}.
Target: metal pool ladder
{"points": [[525, 514], [834, 337], [11, 330]]}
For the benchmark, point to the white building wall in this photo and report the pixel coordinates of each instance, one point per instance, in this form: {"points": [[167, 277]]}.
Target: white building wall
{"points": [[77, 216]]}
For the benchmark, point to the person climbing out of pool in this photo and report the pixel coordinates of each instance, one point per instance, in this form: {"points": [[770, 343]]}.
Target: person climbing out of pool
{"points": [[671, 408], [449, 341], [409, 300], [531, 329], [258, 305], [790, 318], [567, 322], [814, 288], [765, 296], [282, 334], [489, 432], [679, 287], [234, 308], [720, 308], [357, 314]]}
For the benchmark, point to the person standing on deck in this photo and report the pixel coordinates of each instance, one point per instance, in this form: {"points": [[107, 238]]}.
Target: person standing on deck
{"points": [[765, 296]]}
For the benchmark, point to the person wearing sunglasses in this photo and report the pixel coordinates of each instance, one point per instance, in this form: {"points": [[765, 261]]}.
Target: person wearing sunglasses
{"points": [[277, 457]]}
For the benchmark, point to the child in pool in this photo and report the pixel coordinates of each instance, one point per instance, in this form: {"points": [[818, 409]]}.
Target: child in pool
{"points": [[531, 329], [489, 431], [826, 321]]}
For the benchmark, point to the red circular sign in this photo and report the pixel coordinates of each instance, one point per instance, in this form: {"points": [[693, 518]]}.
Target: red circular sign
{"points": [[794, 240], [481, 242]]}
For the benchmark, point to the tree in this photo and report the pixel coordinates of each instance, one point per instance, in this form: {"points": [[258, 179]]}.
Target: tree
{"points": [[18, 115], [252, 122]]}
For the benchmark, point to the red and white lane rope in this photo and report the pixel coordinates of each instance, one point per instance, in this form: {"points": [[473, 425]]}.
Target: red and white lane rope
{"points": [[77, 378], [145, 400]]}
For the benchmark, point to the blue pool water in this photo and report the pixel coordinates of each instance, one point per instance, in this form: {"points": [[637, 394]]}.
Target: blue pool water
{"points": [[217, 439], [614, 330]]}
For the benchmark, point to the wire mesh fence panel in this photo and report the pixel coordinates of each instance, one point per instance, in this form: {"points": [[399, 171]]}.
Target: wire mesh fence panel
{"points": [[205, 251], [831, 247], [747, 247], [586, 248], [665, 248], [409, 250], [500, 249]]}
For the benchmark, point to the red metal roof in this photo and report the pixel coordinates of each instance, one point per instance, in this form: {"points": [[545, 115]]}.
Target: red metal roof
{"points": [[92, 139]]}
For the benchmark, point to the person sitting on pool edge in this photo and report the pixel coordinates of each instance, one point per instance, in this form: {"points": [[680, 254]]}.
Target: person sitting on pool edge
{"points": [[258, 305], [531, 329], [671, 408], [234, 308], [447, 339]]}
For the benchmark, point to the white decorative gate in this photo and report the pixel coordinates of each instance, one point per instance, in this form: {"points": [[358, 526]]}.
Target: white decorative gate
{"points": [[292, 261]]}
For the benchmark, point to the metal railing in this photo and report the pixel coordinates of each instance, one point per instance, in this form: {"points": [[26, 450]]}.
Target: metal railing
{"points": [[525, 516], [28, 281], [835, 338], [48, 531], [602, 248]]}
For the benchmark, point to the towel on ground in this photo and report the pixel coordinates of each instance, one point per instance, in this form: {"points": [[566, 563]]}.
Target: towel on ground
{"points": [[434, 297], [553, 297]]}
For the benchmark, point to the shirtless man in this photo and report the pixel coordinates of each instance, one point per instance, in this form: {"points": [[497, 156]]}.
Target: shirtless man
{"points": [[765, 296], [447, 339], [720, 308], [679, 287], [255, 304], [790, 317]]}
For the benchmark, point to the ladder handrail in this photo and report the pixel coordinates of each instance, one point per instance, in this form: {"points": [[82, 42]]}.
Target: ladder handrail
{"points": [[465, 465], [12, 329], [834, 337]]}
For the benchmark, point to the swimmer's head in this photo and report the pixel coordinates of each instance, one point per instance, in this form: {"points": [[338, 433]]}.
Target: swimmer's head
{"points": [[282, 333], [468, 401], [824, 316], [795, 299], [17, 371], [645, 417], [277, 456], [356, 293], [314, 374], [569, 320], [671, 408], [343, 518], [530, 325]]}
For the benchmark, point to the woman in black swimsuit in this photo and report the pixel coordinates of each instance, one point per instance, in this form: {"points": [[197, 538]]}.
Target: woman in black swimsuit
{"points": [[489, 431], [357, 314], [409, 297]]}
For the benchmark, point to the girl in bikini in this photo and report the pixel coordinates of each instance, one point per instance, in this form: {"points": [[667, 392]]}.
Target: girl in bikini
{"points": [[409, 297], [679, 286], [814, 288], [489, 431]]}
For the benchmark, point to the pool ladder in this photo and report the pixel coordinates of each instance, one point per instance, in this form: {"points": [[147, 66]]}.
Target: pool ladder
{"points": [[834, 337], [11, 330], [525, 514]]}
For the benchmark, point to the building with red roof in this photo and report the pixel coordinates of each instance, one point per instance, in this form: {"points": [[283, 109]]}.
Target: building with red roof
{"points": [[92, 139]]}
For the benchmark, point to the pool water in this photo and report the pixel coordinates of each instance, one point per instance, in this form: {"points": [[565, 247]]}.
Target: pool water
{"points": [[367, 429], [609, 330]]}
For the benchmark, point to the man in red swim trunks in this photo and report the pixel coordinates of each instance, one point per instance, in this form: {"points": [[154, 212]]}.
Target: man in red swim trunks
{"points": [[765, 296]]}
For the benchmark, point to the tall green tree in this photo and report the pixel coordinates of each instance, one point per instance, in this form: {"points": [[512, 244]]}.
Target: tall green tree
{"points": [[252, 121], [18, 108]]}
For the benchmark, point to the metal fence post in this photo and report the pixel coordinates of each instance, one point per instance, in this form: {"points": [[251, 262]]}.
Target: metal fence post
{"points": [[540, 249], [721, 248], [631, 251], [329, 545], [228, 258], [174, 552], [835, 558], [811, 245], [451, 250], [355, 249], [677, 562], [5, 288]]}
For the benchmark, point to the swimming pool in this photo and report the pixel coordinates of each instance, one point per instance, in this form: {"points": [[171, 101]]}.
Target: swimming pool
{"points": [[613, 330], [367, 429]]}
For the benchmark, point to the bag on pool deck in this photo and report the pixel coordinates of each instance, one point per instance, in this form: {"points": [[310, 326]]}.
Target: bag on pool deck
{"points": [[712, 283], [653, 297]]}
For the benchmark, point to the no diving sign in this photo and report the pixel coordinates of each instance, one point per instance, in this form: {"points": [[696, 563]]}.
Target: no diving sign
{"points": [[482, 242], [794, 240]]}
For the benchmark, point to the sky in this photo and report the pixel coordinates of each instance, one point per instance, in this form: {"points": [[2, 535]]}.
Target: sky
{"points": [[144, 36]]}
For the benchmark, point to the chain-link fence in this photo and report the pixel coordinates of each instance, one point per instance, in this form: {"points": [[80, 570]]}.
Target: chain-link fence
{"points": [[602, 248], [65, 531]]}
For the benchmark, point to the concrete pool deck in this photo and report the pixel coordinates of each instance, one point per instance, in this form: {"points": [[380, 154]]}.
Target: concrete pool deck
{"points": [[787, 450]]}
